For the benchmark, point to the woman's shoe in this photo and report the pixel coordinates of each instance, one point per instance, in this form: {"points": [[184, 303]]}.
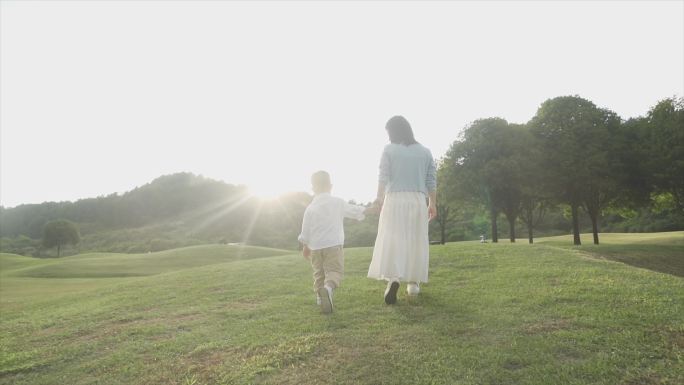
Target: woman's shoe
{"points": [[391, 292], [412, 289]]}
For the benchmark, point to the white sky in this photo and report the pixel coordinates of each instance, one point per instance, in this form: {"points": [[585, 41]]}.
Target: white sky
{"points": [[101, 97]]}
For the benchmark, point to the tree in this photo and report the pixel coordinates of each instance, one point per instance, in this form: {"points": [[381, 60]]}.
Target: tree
{"points": [[604, 173], [633, 155], [443, 219], [469, 170], [489, 163], [445, 211], [512, 165], [534, 201], [575, 141], [664, 141], [532, 213], [504, 190], [59, 233]]}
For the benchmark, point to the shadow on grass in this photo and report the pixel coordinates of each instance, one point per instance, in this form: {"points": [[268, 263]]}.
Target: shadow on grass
{"points": [[668, 259]]}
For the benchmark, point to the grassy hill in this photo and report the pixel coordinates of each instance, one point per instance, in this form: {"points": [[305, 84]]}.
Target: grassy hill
{"points": [[492, 314], [94, 265], [79, 272]]}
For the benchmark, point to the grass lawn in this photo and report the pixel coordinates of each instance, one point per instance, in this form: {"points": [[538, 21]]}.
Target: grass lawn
{"points": [[547, 313]]}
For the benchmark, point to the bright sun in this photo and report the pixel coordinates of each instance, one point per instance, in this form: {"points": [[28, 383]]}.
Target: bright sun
{"points": [[271, 183], [270, 192]]}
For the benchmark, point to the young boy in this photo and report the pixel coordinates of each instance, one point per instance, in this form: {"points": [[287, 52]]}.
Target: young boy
{"points": [[323, 237]]}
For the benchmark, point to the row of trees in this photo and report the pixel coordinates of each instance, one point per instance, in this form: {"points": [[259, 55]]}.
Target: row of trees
{"points": [[571, 156], [570, 153]]}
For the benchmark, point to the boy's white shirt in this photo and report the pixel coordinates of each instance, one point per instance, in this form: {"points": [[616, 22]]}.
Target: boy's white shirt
{"points": [[323, 224]]}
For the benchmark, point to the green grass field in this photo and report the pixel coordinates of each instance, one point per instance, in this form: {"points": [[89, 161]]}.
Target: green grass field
{"points": [[547, 313]]}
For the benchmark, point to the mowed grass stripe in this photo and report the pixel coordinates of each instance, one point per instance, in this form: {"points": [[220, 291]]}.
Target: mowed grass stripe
{"points": [[10, 262], [491, 314]]}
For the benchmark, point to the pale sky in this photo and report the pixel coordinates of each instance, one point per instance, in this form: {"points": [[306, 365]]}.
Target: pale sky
{"points": [[101, 97]]}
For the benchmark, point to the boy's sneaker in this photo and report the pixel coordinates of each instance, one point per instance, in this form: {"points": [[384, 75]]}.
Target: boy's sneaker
{"points": [[318, 299], [325, 293], [412, 289], [391, 292]]}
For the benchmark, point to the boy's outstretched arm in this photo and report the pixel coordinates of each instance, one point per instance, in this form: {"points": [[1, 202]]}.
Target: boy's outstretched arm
{"points": [[354, 211], [303, 237]]}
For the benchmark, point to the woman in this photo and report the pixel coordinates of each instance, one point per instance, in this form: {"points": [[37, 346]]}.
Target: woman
{"points": [[407, 178]]}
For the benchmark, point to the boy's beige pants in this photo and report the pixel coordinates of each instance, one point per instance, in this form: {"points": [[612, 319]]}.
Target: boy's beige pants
{"points": [[328, 267]]}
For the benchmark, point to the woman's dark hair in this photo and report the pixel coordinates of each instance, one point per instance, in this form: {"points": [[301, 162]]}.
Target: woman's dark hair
{"points": [[400, 131]]}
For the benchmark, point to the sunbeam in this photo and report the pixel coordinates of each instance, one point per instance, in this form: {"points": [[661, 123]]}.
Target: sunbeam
{"points": [[233, 203], [252, 222]]}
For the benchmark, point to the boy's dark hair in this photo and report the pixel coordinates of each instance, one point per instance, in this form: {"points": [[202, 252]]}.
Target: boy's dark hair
{"points": [[400, 131], [320, 180]]}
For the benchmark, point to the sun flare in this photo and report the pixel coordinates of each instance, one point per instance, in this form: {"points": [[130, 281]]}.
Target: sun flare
{"points": [[272, 191], [264, 193]]}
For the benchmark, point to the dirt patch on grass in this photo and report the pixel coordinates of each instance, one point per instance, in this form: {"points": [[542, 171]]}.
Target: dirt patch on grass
{"points": [[237, 305], [48, 331], [568, 355], [675, 338], [456, 331], [323, 367], [546, 326], [671, 338], [168, 324], [243, 304], [127, 320], [513, 365], [254, 364], [649, 379]]}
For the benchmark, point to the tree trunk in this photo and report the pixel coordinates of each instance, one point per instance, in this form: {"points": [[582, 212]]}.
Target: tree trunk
{"points": [[575, 225], [529, 234], [495, 232], [594, 227], [511, 229], [528, 218], [443, 217], [443, 228], [678, 200], [58, 247]]}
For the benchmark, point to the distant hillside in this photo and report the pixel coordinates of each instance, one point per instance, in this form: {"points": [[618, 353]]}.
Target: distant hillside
{"points": [[164, 197], [171, 211]]}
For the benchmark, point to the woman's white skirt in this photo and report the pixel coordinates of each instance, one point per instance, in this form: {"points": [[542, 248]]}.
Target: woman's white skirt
{"points": [[402, 249]]}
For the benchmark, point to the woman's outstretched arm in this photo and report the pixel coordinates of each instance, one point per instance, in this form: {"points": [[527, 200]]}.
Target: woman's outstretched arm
{"points": [[432, 205], [380, 197]]}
